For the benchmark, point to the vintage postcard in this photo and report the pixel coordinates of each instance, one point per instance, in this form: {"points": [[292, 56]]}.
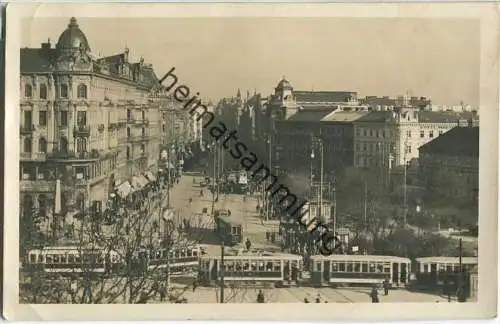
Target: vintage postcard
{"points": [[216, 161]]}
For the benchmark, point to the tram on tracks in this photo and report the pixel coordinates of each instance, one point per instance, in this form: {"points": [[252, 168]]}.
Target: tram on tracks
{"points": [[279, 269], [435, 272], [178, 260], [229, 230], [66, 260], [339, 269]]}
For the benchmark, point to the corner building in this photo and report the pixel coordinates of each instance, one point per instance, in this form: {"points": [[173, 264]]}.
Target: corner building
{"points": [[89, 122]]}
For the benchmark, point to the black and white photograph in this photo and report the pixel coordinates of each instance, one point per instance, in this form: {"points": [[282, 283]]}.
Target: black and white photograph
{"points": [[238, 156]]}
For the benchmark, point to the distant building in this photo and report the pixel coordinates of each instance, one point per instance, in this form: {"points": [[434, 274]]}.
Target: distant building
{"points": [[449, 164], [392, 138]]}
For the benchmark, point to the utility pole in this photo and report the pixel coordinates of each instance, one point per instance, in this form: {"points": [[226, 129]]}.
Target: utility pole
{"points": [[334, 207], [405, 203], [214, 147], [321, 182], [365, 200], [268, 205], [222, 273], [461, 296]]}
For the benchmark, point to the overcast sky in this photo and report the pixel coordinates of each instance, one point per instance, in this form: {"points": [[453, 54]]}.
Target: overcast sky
{"points": [[216, 56]]}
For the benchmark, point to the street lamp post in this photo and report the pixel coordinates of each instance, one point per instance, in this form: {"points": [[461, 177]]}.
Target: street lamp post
{"points": [[268, 206]]}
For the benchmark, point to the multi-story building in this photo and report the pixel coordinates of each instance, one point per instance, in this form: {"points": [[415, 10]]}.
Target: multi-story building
{"points": [[87, 123], [449, 165], [392, 138]]}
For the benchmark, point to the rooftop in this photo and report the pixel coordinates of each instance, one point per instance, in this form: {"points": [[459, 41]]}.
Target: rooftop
{"points": [[324, 96], [443, 116], [345, 116], [311, 115], [460, 141]]}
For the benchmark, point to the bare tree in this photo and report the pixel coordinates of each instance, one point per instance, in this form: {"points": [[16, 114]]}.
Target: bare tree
{"points": [[136, 227]]}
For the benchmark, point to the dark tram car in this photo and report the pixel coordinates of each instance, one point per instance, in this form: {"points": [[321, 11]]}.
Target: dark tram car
{"points": [[342, 269], [441, 273], [229, 230], [280, 269]]}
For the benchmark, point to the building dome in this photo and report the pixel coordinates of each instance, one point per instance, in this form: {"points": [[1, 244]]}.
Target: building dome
{"points": [[284, 85], [73, 38]]}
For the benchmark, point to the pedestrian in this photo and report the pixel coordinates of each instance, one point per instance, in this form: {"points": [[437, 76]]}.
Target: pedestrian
{"points": [[374, 295], [163, 292], [195, 285], [267, 236], [318, 299], [248, 244], [155, 288], [306, 300], [386, 287], [260, 298]]}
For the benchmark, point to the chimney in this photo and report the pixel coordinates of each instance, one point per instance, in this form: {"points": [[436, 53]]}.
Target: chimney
{"points": [[46, 45]]}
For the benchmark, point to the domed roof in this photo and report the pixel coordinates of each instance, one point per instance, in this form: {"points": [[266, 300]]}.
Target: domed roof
{"points": [[284, 85], [73, 37]]}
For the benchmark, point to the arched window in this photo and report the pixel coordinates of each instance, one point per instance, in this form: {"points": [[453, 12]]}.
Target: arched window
{"points": [[28, 91], [64, 144], [42, 145], [28, 206], [64, 91], [42, 206], [82, 91], [81, 145], [27, 145], [43, 91], [143, 148]]}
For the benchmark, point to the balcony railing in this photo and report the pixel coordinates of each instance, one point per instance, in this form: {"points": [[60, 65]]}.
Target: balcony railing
{"points": [[138, 138], [81, 130], [71, 155], [27, 129]]}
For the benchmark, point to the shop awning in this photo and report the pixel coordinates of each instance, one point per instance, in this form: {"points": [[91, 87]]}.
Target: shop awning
{"points": [[136, 184], [124, 189], [150, 176], [143, 180]]}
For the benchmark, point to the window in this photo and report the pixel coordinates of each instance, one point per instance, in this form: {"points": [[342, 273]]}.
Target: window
{"points": [[408, 133], [81, 118], [365, 147], [42, 118], [128, 131], [143, 115], [64, 91], [431, 134], [27, 145], [82, 91], [358, 148], [64, 144], [28, 91], [28, 121], [81, 145], [143, 131], [365, 132], [422, 134], [129, 114], [128, 153], [64, 118], [42, 145], [43, 91]]}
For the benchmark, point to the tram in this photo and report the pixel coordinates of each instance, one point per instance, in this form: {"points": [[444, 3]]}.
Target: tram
{"points": [[242, 186], [279, 269], [178, 260], [435, 272], [229, 230], [359, 270], [71, 259]]}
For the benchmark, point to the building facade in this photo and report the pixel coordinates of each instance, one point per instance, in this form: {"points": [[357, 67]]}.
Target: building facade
{"points": [[449, 165], [87, 123]]}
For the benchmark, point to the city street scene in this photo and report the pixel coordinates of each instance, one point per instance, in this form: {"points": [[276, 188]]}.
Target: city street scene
{"points": [[248, 161]]}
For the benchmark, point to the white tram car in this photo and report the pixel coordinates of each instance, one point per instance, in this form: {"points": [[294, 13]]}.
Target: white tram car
{"points": [[72, 259], [279, 269], [180, 260], [359, 269]]}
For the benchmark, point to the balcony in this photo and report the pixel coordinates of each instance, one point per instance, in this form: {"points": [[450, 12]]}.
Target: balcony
{"points": [[138, 138], [81, 131], [72, 156], [31, 156], [27, 129]]}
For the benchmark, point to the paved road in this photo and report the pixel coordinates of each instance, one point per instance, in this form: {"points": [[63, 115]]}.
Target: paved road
{"points": [[297, 295]]}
